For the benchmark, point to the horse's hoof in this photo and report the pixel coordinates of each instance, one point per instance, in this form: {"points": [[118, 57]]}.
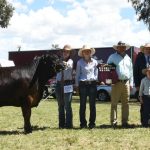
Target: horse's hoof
{"points": [[28, 130]]}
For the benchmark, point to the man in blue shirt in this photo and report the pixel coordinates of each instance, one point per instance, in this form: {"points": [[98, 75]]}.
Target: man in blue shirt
{"points": [[121, 89]]}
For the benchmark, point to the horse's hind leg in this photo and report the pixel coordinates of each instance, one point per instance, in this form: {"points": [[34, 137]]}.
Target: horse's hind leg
{"points": [[26, 111]]}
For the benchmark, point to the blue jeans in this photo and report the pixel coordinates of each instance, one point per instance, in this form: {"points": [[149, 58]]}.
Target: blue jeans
{"points": [[84, 91], [145, 110], [64, 107]]}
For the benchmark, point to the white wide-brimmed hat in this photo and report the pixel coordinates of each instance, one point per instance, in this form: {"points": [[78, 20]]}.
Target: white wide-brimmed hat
{"points": [[121, 44], [146, 45], [67, 47], [86, 47]]}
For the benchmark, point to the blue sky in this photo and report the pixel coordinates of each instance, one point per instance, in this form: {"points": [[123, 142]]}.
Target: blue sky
{"points": [[37, 24], [38, 4], [127, 13]]}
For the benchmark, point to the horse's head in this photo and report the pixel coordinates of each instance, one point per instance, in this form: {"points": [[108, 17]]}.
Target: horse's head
{"points": [[57, 63], [47, 68], [52, 64]]}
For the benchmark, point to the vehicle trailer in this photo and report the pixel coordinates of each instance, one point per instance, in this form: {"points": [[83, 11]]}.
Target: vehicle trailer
{"points": [[101, 55]]}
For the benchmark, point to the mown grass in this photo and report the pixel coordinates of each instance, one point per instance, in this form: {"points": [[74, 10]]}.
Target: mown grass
{"points": [[47, 136]]}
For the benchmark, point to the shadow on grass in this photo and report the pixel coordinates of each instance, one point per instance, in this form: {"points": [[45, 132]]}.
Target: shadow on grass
{"points": [[16, 132], [11, 132], [104, 126], [37, 128], [132, 126]]}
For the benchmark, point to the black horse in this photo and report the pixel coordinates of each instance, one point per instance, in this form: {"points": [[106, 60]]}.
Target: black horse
{"points": [[23, 86]]}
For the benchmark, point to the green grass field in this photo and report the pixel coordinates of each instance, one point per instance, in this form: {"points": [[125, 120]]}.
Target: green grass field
{"points": [[47, 136]]}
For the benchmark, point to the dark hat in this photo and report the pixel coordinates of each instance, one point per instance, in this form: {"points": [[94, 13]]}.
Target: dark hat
{"points": [[121, 44]]}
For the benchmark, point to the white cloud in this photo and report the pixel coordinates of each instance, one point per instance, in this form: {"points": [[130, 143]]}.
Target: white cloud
{"points": [[18, 6], [96, 22], [30, 1], [51, 2]]}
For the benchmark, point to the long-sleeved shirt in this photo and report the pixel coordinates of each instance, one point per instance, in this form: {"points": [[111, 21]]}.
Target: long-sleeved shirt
{"points": [[144, 87], [139, 65], [147, 58], [86, 71], [67, 72], [124, 67]]}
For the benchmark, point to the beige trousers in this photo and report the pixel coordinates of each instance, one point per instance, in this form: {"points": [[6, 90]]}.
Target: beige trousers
{"points": [[120, 92]]}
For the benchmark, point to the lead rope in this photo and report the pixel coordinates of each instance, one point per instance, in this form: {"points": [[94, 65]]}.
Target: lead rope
{"points": [[62, 86]]}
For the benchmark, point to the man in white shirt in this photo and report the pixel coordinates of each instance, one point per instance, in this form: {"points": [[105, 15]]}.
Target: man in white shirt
{"points": [[121, 89]]}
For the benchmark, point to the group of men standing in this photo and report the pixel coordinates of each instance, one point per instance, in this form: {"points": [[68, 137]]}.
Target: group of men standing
{"points": [[141, 72], [86, 79]]}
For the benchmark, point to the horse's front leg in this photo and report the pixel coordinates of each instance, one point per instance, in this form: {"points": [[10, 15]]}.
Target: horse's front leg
{"points": [[26, 112]]}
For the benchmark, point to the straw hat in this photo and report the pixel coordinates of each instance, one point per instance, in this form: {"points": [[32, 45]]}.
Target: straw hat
{"points": [[146, 45], [144, 71], [121, 44], [86, 47], [67, 47]]}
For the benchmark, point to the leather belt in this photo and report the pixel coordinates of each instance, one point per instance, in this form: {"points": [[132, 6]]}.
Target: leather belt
{"points": [[66, 82], [88, 82], [123, 81]]}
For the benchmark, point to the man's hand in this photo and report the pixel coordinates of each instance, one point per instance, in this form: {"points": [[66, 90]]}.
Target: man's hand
{"points": [[76, 88], [102, 83], [64, 63]]}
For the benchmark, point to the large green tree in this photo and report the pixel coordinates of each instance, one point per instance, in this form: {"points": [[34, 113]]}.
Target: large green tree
{"points": [[142, 8], [6, 12]]}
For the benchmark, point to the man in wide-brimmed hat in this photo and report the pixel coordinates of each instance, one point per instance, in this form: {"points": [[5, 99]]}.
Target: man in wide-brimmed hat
{"points": [[86, 77], [146, 46], [142, 61], [121, 45], [121, 89], [144, 96]]}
